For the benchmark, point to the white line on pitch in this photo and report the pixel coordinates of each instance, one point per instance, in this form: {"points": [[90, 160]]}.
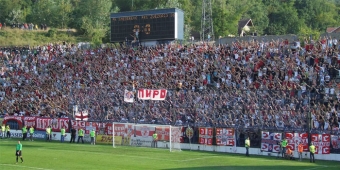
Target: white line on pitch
{"points": [[193, 159], [318, 167], [25, 167], [114, 155], [145, 157]]}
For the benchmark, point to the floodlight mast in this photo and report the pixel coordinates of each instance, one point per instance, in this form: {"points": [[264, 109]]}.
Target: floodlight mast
{"points": [[207, 28]]}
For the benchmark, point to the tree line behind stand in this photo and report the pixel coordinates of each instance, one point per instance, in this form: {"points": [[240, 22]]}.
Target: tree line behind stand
{"points": [[91, 18]]}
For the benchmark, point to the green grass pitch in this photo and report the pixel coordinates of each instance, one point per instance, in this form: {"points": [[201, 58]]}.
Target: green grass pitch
{"points": [[41, 155]]}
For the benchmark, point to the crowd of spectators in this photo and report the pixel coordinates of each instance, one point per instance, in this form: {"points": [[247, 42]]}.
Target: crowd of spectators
{"points": [[247, 83], [25, 26]]}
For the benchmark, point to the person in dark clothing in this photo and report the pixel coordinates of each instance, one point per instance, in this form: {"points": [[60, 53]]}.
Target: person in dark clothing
{"points": [[73, 135]]}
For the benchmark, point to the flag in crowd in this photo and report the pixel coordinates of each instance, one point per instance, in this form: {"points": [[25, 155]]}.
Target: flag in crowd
{"points": [[82, 115], [129, 96]]}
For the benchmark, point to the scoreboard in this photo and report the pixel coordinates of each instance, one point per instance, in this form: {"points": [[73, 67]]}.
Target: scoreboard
{"points": [[159, 24]]}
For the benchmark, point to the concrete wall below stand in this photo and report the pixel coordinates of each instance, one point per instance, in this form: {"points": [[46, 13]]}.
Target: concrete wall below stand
{"points": [[242, 150]]}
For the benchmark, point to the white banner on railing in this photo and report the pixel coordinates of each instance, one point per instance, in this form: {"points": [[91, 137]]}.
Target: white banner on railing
{"points": [[148, 94], [57, 136], [141, 141]]}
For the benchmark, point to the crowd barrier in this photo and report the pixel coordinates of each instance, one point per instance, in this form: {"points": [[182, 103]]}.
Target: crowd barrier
{"points": [[219, 139]]}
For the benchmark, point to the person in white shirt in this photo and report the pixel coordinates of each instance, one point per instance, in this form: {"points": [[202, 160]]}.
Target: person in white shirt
{"points": [[335, 43]]}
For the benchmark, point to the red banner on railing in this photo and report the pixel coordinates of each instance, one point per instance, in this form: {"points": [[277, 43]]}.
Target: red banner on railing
{"points": [[225, 137], [29, 121], [322, 143], [163, 133], [17, 119], [56, 124], [205, 136], [294, 140], [335, 141], [39, 123]]}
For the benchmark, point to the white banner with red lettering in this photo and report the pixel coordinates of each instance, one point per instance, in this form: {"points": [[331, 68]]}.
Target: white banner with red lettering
{"points": [[56, 124], [225, 137], [205, 136], [151, 94], [322, 143], [294, 140]]}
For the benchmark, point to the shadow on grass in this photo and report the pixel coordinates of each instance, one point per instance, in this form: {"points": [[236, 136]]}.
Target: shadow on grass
{"points": [[257, 168], [25, 145]]}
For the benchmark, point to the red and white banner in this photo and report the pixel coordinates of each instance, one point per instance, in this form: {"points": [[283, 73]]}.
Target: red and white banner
{"points": [[56, 124], [144, 131], [78, 124], [269, 141], [335, 141], [120, 129], [83, 115], [322, 143], [176, 133], [225, 137], [205, 136], [29, 121], [148, 94], [17, 119], [39, 123], [294, 140], [91, 125], [163, 133]]}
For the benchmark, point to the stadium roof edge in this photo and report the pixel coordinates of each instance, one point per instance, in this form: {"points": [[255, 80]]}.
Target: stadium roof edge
{"points": [[145, 12]]}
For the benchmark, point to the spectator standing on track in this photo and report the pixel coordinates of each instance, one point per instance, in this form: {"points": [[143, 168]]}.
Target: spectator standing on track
{"points": [[48, 133], [31, 133], [24, 133], [73, 135], [8, 131], [154, 141], [81, 135], [247, 143], [312, 151], [300, 150], [284, 144], [62, 134], [18, 152], [93, 135], [3, 131]]}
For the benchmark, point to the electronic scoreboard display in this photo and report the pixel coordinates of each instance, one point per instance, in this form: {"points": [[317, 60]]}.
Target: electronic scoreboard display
{"points": [[163, 24]]}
